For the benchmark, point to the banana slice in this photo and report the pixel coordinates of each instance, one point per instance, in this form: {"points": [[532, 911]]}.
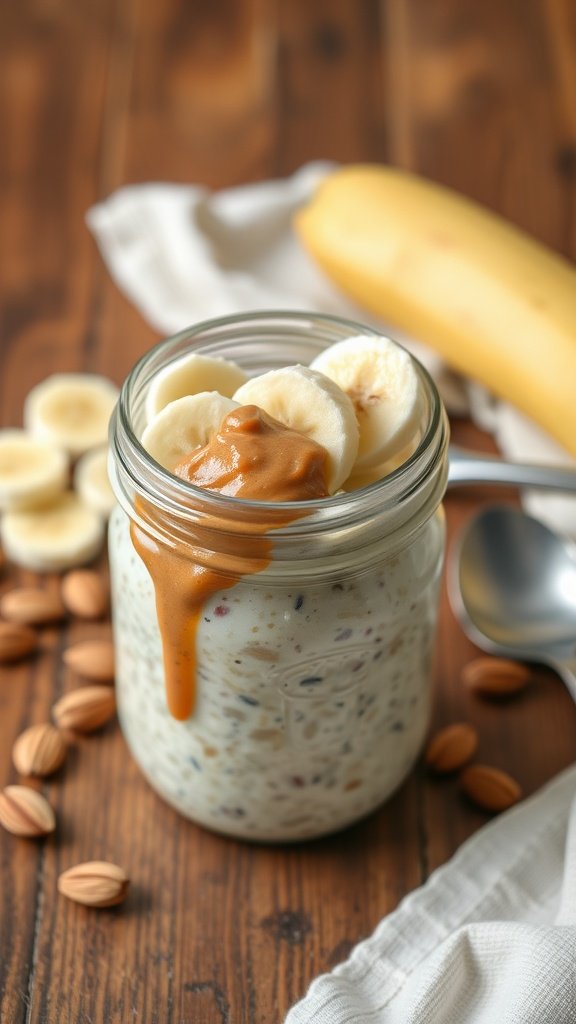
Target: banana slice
{"points": [[31, 471], [71, 410], [191, 375], [92, 483], [310, 402], [381, 380], [58, 536], [184, 425], [365, 477]]}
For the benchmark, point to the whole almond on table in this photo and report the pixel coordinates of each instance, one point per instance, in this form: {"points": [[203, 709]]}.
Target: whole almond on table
{"points": [[93, 659], [24, 812], [451, 747], [32, 606], [86, 709], [490, 788], [495, 677], [97, 883], [16, 641], [39, 750], [84, 594]]}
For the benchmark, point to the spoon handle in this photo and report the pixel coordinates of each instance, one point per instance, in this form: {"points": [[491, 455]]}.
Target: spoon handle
{"points": [[469, 468]]}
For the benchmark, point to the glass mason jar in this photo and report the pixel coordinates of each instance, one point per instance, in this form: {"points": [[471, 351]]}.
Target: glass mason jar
{"points": [[312, 673]]}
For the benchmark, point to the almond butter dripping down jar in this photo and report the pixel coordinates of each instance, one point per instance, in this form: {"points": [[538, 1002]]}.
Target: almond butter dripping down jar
{"points": [[295, 639]]}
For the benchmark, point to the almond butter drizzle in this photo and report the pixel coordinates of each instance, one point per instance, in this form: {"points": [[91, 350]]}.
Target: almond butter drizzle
{"points": [[251, 456]]}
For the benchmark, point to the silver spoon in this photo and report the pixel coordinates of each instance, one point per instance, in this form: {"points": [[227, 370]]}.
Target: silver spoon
{"points": [[512, 586], [467, 467]]}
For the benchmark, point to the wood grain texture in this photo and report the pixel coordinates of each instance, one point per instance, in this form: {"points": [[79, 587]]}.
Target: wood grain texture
{"points": [[98, 93]]}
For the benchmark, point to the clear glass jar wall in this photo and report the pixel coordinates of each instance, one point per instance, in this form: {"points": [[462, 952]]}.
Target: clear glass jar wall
{"points": [[313, 674]]}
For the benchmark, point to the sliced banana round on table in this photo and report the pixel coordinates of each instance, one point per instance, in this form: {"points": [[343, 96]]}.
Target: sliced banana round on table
{"points": [[31, 471], [92, 483], [184, 425], [310, 402], [58, 536], [191, 375], [71, 410], [381, 380]]}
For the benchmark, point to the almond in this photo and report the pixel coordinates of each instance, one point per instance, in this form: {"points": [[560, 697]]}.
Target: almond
{"points": [[490, 788], [96, 883], [85, 594], [16, 641], [93, 659], [451, 747], [24, 812], [85, 709], [495, 677], [39, 750], [32, 606]]}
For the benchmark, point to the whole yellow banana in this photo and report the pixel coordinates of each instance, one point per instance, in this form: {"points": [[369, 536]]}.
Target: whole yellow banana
{"points": [[497, 305]]}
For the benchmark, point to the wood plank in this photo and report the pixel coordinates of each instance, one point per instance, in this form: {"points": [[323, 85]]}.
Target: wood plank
{"points": [[475, 90], [49, 158], [201, 100], [52, 98], [559, 23], [330, 99]]}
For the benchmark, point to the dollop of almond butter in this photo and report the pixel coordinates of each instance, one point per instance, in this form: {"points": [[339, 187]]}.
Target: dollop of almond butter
{"points": [[254, 456]]}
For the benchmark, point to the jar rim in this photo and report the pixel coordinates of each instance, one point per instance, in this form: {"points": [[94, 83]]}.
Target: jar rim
{"points": [[135, 472]]}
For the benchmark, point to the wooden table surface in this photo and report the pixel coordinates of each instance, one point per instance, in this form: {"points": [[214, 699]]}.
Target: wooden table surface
{"points": [[98, 93]]}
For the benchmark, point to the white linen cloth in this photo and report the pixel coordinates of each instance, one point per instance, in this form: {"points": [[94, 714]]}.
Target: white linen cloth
{"points": [[489, 939], [182, 254]]}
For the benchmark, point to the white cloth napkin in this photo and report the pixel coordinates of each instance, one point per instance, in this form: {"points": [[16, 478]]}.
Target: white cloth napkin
{"points": [[182, 254], [489, 939]]}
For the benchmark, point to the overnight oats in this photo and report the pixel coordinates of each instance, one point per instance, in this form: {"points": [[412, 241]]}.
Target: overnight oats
{"points": [[275, 558]]}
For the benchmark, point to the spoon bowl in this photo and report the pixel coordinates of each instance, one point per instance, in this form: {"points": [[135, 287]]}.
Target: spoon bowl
{"points": [[512, 586]]}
